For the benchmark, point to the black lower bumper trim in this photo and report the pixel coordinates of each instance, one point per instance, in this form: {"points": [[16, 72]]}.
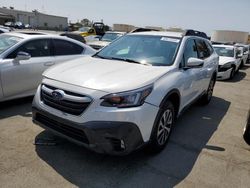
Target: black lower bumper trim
{"points": [[117, 138]]}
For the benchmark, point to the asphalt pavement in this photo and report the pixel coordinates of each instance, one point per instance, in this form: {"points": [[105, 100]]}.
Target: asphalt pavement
{"points": [[206, 149]]}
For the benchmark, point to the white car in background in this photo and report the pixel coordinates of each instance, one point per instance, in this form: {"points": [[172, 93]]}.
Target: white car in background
{"points": [[4, 29], [229, 62], [106, 39], [24, 57], [244, 53]]}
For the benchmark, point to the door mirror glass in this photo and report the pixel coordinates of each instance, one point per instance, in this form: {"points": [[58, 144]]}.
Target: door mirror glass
{"points": [[239, 55], [194, 63], [22, 56]]}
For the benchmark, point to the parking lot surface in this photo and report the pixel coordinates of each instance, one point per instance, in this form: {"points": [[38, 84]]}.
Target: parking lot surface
{"points": [[206, 149]]}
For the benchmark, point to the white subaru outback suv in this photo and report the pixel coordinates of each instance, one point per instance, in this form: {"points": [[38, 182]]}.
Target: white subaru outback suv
{"points": [[129, 93]]}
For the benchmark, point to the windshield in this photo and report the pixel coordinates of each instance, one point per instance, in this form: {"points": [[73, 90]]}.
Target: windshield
{"points": [[109, 37], [154, 50], [223, 51], [7, 41], [84, 29]]}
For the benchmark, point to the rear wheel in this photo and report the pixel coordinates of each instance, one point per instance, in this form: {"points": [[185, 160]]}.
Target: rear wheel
{"points": [[162, 128], [206, 98]]}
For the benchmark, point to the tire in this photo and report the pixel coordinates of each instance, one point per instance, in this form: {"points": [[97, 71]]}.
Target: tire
{"points": [[206, 98], [246, 134], [162, 128], [232, 74], [241, 65]]}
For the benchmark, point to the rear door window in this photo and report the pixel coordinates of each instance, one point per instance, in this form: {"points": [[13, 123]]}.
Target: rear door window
{"points": [[36, 48], [63, 47]]}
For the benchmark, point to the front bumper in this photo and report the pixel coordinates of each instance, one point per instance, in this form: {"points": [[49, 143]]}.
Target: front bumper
{"points": [[116, 138], [223, 75]]}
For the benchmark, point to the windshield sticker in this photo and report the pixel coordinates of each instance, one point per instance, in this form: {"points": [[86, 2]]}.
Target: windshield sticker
{"points": [[170, 39]]}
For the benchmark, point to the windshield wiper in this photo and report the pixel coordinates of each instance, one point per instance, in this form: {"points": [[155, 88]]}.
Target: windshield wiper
{"points": [[96, 55], [129, 60]]}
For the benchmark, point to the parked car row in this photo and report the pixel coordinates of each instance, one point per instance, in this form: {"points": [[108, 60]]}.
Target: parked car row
{"points": [[24, 57], [118, 99], [232, 58]]}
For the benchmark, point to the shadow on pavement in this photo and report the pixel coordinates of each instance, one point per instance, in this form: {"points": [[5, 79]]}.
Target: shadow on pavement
{"points": [[246, 66], [238, 77], [84, 168], [16, 107]]}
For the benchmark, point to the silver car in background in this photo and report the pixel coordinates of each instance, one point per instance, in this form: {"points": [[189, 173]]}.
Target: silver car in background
{"points": [[106, 39], [24, 57]]}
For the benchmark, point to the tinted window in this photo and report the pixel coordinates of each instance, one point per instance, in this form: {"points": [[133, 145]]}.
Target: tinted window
{"points": [[203, 51], [7, 41], [63, 47], [190, 51], [36, 48], [210, 48]]}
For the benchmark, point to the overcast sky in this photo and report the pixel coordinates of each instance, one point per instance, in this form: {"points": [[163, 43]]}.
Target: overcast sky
{"points": [[202, 15]]}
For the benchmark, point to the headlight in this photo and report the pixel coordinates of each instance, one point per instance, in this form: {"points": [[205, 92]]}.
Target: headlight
{"points": [[127, 99], [227, 65]]}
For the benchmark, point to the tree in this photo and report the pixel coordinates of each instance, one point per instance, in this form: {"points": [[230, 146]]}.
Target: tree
{"points": [[86, 22]]}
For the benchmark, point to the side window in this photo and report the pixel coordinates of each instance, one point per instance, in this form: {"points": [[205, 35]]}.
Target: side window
{"points": [[62, 47], [189, 51], [36, 48], [203, 51], [210, 48]]}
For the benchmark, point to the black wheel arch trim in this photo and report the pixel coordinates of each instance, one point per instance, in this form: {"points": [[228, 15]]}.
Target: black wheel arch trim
{"points": [[173, 91]]}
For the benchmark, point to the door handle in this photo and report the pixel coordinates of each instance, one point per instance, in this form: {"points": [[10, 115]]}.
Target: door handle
{"points": [[49, 63]]}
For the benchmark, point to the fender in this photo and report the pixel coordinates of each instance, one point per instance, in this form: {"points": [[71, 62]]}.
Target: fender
{"points": [[176, 101]]}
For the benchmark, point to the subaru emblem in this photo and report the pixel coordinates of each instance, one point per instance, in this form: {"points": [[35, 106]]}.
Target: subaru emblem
{"points": [[58, 95]]}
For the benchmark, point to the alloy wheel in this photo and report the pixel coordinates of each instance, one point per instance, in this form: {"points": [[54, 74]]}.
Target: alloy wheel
{"points": [[164, 127], [210, 89]]}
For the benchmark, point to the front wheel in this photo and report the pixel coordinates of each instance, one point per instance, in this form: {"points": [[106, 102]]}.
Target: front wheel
{"points": [[232, 73], [241, 65], [162, 128]]}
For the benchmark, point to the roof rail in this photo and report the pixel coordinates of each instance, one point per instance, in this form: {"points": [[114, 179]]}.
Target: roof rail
{"points": [[223, 43], [140, 29], [190, 32]]}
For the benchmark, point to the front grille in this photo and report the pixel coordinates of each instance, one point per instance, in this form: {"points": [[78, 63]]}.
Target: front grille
{"points": [[72, 103], [64, 129]]}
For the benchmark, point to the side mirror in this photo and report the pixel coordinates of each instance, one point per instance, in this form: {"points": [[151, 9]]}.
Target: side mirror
{"points": [[239, 56], [245, 53], [194, 63], [22, 56]]}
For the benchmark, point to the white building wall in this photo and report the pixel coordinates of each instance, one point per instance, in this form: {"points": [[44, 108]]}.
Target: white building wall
{"points": [[38, 19], [229, 36]]}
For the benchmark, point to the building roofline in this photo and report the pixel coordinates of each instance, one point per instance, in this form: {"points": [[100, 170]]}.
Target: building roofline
{"points": [[32, 12]]}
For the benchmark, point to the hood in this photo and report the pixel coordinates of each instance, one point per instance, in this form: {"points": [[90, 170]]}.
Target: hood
{"points": [[98, 43], [223, 60], [105, 75]]}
